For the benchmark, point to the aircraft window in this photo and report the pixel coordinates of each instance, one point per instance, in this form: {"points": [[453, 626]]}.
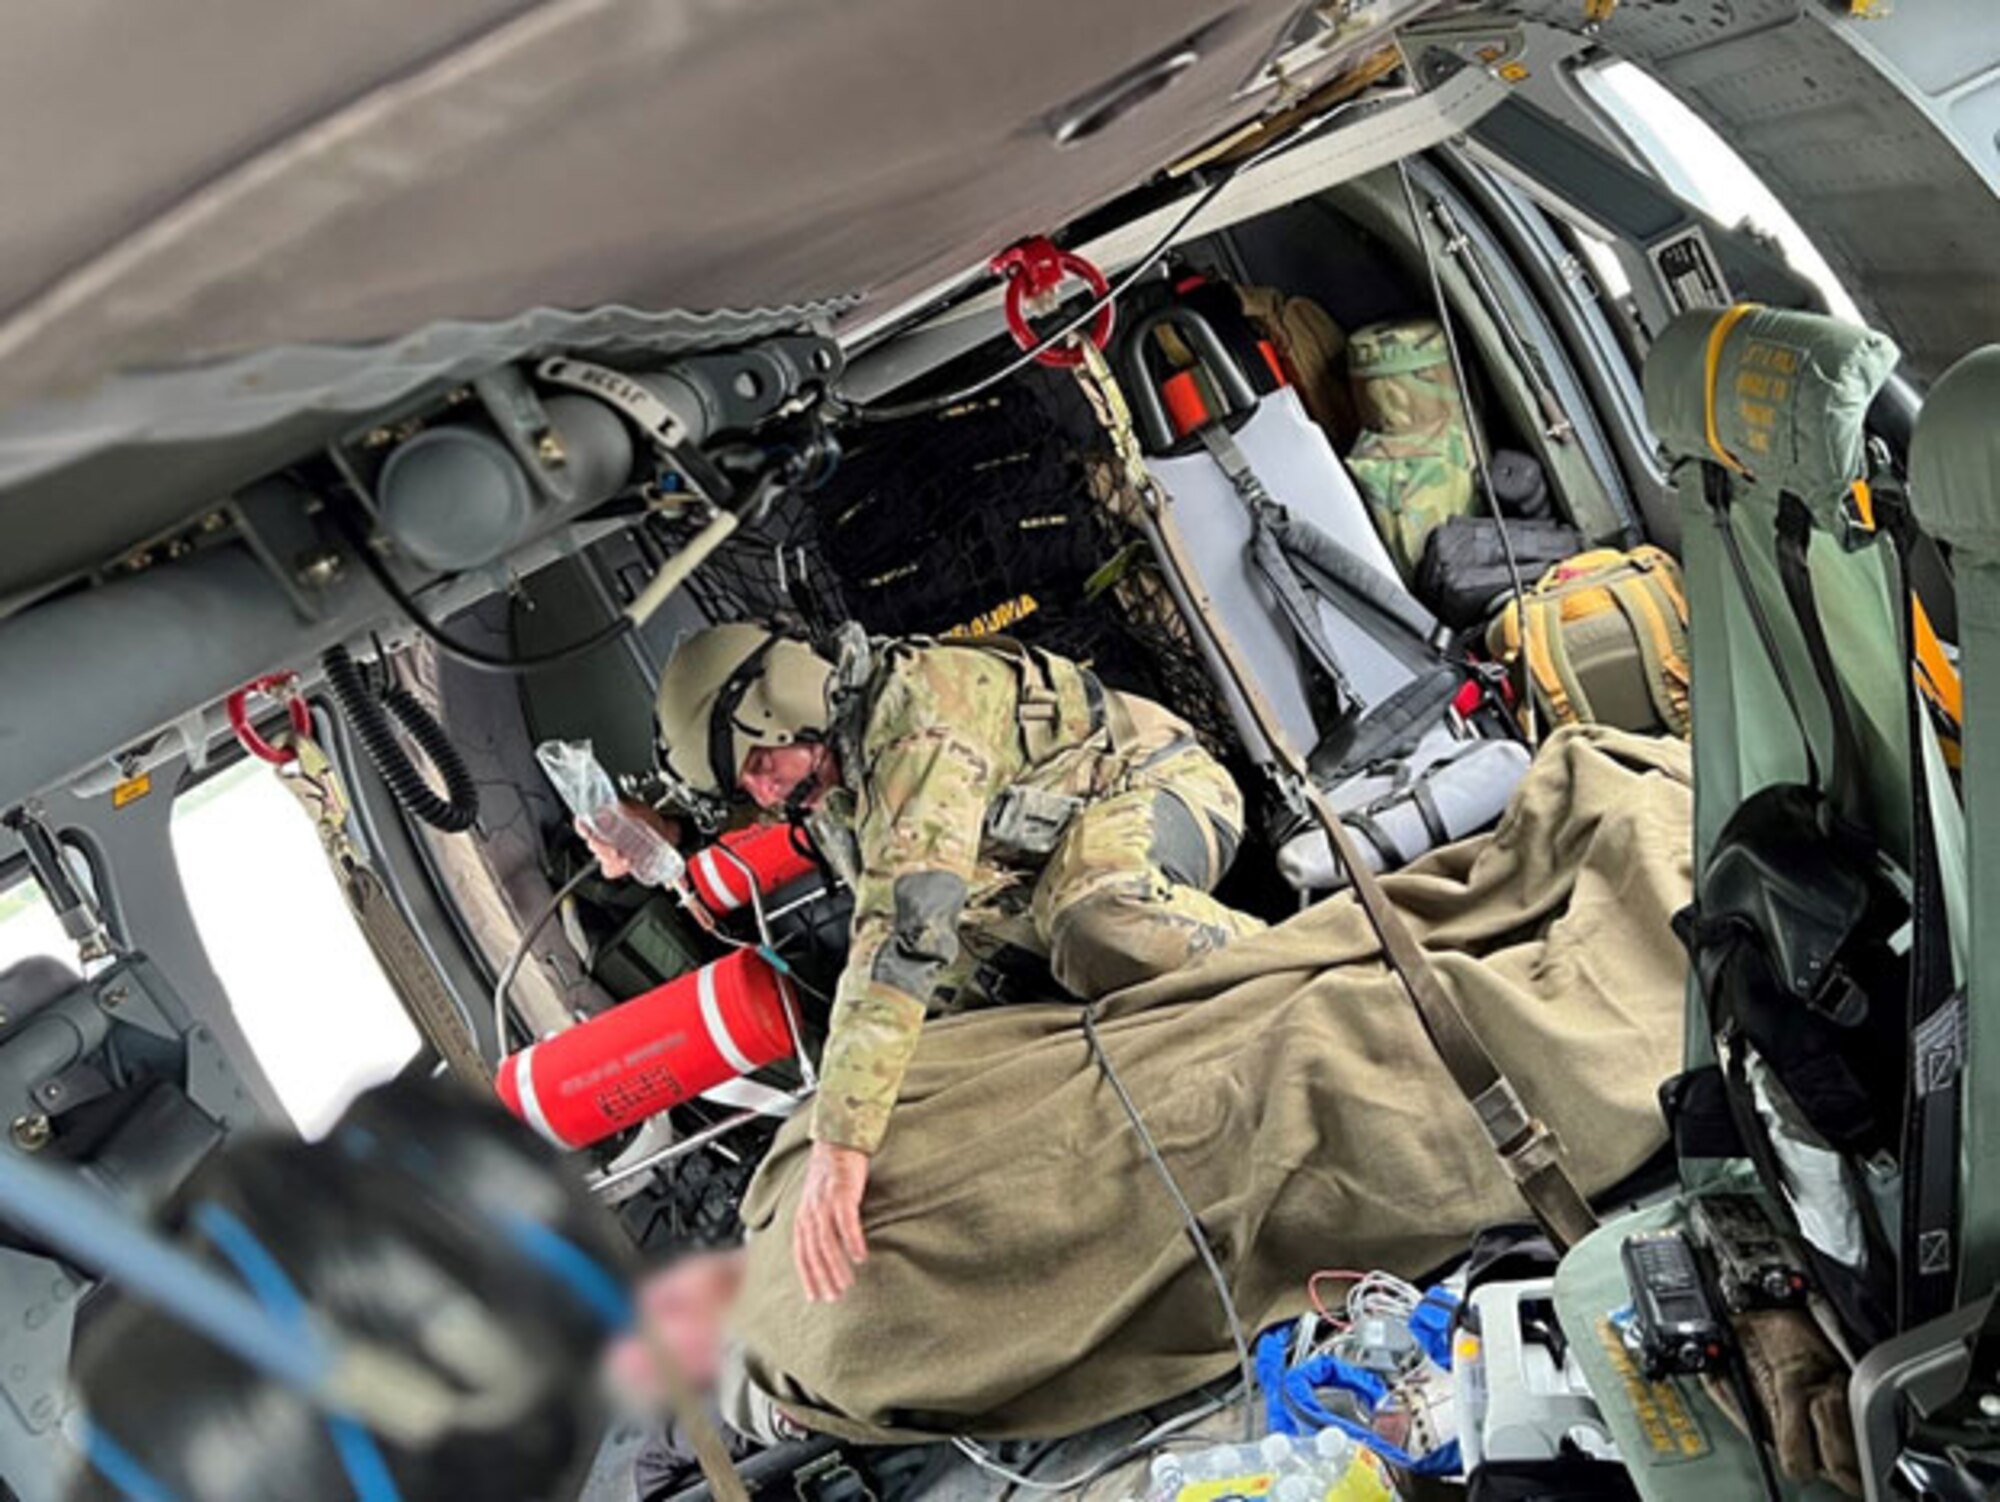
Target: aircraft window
{"points": [[1702, 168], [28, 925], [313, 1003]]}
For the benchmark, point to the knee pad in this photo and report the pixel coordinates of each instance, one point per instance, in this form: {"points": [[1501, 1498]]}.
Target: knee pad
{"points": [[1122, 935]]}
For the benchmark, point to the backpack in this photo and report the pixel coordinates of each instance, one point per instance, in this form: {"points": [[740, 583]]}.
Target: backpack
{"points": [[1606, 636], [1313, 351], [1414, 458]]}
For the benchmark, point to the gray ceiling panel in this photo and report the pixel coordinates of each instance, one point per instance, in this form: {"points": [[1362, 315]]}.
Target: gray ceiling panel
{"points": [[652, 153], [1842, 119]]}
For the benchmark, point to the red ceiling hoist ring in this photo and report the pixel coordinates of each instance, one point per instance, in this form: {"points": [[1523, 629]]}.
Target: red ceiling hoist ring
{"points": [[1034, 269], [283, 687]]}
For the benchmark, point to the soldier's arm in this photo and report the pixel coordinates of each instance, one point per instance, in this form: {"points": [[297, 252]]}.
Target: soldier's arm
{"points": [[927, 798]]}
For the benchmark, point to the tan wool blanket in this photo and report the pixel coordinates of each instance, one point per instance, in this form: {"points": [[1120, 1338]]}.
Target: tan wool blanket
{"points": [[1028, 1274]]}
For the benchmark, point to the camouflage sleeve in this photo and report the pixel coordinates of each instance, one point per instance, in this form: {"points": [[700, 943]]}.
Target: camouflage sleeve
{"points": [[926, 803]]}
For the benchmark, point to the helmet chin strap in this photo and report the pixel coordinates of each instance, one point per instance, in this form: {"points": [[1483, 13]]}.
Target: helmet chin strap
{"points": [[798, 801]]}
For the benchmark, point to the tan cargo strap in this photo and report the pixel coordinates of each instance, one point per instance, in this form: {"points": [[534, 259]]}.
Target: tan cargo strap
{"points": [[1525, 1146], [315, 782], [1109, 711]]}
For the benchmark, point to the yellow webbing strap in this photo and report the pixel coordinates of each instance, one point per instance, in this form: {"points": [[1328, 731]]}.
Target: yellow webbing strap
{"points": [[1937, 674], [1668, 579], [1561, 694], [1864, 504], [1661, 646], [1717, 336]]}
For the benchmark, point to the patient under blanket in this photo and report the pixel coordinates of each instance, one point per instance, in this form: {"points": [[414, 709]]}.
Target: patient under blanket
{"points": [[1028, 1274]]}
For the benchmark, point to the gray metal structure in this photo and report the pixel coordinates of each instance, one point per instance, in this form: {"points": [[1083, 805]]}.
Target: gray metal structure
{"points": [[380, 208]]}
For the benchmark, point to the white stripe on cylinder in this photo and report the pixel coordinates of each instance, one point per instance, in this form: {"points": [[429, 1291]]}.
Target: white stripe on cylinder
{"points": [[531, 1104], [721, 895], [718, 1030]]}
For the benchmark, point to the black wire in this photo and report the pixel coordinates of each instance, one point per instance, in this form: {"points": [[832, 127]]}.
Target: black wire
{"points": [[1117, 289], [875, 412], [1445, 321], [1191, 1222], [367, 714], [520, 954], [487, 662]]}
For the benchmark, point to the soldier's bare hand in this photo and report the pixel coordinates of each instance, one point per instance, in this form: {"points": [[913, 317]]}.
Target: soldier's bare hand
{"points": [[609, 861], [614, 866], [827, 1244]]}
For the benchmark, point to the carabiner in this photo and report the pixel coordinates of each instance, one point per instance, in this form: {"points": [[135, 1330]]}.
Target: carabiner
{"points": [[1034, 269], [283, 687]]}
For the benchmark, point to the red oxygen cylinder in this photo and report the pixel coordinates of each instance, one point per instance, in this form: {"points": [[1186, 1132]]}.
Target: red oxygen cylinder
{"points": [[771, 854], [650, 1053]]}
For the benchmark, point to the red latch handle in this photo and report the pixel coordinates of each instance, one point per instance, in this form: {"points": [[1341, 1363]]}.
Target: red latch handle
{"points": [[280, 686], [1034, 269]]}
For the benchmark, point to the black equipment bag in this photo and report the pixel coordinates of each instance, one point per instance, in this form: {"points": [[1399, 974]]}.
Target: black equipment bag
{"points": [[1463, 574], [1813, 953]]}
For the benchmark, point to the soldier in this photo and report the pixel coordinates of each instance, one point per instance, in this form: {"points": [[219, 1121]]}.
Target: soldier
{"points": [[994, 809]]}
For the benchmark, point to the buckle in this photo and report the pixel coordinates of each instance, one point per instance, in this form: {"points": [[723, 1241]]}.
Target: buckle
{"points": [[830, 1478], [1840, 999]]}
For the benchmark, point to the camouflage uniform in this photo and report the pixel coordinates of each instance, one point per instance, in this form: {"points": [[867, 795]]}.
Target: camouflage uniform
{"points": [[1414, 462], [942, 736]]}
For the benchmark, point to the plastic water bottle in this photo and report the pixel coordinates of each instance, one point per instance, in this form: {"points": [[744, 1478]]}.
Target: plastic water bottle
{"points": [[1347, 1473], [1227, 1462], [1168, 1477], [1277, 1451], [587, 790], [1333, 1449]]}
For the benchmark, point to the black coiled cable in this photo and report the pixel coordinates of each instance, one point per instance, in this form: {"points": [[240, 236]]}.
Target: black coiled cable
{"points": [[364, 712]]}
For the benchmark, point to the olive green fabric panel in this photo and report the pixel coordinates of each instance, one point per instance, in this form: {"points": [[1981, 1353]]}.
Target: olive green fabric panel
{"points": [[1955, 460], [1703, 1460], [1792, 392], [1955, 488], [1745, 737]]}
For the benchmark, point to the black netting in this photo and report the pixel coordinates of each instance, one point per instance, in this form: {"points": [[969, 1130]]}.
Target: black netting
{"points": [[989, 516], [768, 572], [986, 517]]}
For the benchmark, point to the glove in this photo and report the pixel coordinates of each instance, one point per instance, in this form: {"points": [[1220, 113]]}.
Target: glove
{"points": [[1801, 1385]]}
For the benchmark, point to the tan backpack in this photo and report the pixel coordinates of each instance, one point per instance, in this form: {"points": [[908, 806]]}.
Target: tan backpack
{"points": [[1606, 641]]}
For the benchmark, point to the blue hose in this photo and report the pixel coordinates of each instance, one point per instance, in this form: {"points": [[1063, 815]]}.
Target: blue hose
{"points": [[360, 1456]]}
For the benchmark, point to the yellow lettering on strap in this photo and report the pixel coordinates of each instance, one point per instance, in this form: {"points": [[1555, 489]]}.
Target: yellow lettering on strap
{"points": [[1716, 337]]}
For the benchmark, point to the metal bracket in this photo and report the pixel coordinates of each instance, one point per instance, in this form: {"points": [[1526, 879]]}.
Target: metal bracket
{"points": [[523, 423], [275, 519]]}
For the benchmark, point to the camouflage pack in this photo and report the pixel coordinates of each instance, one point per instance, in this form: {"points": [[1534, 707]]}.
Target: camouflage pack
{"points": [[1414, 458]]}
